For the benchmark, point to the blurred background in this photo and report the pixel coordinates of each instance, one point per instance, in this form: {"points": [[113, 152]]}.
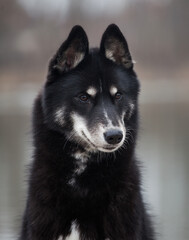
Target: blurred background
{"points": [[158, 35]]}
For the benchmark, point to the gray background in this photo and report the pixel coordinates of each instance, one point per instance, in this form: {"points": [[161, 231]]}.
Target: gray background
{"points": [[158, 35]]}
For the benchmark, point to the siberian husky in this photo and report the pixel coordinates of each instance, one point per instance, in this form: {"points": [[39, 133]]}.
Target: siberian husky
{"points": [[85, 182]]}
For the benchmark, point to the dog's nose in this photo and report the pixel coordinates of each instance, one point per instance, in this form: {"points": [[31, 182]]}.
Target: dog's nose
{"points": [[113, 136]]}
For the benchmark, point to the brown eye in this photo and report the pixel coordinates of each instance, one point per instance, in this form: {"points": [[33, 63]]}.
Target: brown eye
{"points": [[118, 96], [83, 98]]}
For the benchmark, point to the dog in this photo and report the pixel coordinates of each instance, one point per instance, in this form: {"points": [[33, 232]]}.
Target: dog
{"points": [[85, 181]]}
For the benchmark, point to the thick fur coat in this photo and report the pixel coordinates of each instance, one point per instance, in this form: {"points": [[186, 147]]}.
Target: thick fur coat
{"points": [[85, 182]]}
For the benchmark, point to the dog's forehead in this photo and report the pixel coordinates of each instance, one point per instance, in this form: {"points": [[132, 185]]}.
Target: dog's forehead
{"points": [[97, 77], [103, 83]]}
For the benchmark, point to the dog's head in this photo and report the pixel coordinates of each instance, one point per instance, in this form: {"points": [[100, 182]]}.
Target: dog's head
{"points": [[91, 96]]}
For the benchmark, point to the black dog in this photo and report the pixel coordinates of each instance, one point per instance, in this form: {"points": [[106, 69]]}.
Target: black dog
{"points": [[85, 182]]}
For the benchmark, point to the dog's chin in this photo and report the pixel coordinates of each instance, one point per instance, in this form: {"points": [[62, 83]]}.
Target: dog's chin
{"points": [[92, 148], [104, 148], [108, 149]]}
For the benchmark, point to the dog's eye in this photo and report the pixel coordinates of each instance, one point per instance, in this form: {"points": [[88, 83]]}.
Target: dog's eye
{"points": [[83, 98], [118, 96]]}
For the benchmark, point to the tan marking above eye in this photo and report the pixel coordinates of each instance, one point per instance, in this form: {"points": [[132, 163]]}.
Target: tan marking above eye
{"points": [[113, 90], [91, 91]]}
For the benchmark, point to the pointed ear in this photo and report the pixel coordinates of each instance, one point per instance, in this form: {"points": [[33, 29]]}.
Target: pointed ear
{"points": [[71, 52], [114, 46]]}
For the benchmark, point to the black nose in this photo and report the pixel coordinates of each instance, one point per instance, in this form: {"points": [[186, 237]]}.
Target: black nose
{"points": [[113, 136]]}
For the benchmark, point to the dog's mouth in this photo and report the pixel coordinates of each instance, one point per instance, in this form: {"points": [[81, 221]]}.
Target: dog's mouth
{"points": [[103, 148], [108, 149]]}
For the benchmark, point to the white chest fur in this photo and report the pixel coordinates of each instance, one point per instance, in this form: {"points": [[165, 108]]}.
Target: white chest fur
{"points": [[74, 235]]}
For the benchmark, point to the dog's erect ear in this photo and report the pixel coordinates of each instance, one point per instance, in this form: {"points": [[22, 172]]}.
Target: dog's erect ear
{"points": [[72, 51], [114, 46]]}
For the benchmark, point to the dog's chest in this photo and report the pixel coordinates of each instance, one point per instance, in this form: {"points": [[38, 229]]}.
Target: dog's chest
{"points": [[75, 233], [80, 160]]}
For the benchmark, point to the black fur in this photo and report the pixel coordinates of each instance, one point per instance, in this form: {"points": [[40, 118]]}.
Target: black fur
{"points": [[106, 199]]}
